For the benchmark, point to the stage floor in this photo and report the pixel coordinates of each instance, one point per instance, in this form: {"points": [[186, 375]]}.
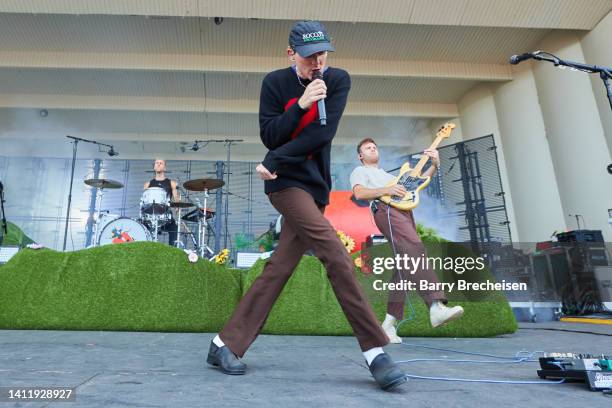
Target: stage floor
{"points": [[113, 369]]}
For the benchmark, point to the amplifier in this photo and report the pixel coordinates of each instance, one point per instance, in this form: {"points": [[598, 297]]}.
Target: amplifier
{"points": [[541, 246], [598, 256], [581, 236], [586, 255], [375, 239], [603, 276]]}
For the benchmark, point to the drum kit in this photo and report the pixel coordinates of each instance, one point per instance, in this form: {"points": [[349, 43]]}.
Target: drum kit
{"points": [[155, 213]]}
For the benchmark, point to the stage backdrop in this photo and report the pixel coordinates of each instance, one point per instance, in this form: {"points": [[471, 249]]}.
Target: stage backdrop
{"points": [[351, 217]]}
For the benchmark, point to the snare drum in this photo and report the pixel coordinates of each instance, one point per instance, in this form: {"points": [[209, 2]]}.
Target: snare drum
{"points": [[123, 230]]}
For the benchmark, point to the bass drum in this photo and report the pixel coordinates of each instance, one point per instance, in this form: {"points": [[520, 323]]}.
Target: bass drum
{"points": [[104, 219], [123, 230]]}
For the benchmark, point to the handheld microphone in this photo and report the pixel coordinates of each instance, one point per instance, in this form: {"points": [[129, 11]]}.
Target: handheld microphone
{"points": [[516, 59], [321, 102]]}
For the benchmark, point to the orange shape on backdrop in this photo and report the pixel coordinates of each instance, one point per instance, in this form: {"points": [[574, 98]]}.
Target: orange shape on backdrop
{"points": [[347, 216]]}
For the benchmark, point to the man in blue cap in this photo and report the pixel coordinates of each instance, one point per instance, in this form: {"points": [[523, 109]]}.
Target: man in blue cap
{"points": [[297, 177]]}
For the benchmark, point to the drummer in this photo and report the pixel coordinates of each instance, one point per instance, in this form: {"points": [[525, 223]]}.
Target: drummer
{"points": [[169, 185]]}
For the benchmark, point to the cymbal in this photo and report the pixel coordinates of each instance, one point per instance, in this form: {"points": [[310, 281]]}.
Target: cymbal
{"points": [[103, 183], [181, 204], [203, 184]]}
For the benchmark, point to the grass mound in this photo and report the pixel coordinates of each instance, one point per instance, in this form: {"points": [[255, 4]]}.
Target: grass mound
{"points": [[14, 236], [307, 305], [145, 286], [140, 286]]}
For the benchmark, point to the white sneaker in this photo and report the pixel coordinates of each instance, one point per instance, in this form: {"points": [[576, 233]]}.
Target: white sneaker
{"points": [[389, 329], [440, 314]]}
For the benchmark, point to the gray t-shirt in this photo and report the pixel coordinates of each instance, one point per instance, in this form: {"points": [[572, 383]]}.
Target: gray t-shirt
{"points": [[370, 177]]}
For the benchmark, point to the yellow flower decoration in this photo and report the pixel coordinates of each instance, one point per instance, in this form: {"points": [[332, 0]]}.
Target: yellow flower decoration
{"points": [[222, 257], [358, 262], [349, 243]]}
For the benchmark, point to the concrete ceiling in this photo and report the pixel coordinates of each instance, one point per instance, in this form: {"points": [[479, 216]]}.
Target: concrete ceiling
{"points": [[158, 74], [563, 14]]}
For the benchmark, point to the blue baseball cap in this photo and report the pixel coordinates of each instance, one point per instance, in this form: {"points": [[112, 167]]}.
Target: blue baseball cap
{"points": [[309, 37]]}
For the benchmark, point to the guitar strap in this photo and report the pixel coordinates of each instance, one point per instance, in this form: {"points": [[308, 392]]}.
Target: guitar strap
{"points": [[374, 206]]}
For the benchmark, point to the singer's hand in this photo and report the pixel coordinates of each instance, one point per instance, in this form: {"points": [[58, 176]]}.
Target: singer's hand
{"points": [[264, 173], [315, 91]]}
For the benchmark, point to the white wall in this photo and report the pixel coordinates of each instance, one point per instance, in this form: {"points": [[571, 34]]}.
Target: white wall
{"points": [[477, 113], [597, 48]]}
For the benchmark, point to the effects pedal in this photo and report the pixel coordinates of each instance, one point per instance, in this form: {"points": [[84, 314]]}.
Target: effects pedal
{"points": [[596, 370]]}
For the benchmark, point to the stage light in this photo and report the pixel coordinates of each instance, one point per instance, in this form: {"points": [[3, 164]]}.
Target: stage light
{"points": [[111, 152]]}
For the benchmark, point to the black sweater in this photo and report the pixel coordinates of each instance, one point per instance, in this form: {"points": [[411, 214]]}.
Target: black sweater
{"points": [[299, 147]]}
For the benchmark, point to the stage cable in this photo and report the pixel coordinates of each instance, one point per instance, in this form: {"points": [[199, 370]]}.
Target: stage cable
{"points": [[513, 360]]}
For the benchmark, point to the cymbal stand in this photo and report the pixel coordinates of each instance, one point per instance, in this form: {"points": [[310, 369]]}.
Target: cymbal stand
{"points": [[205, 251], [155, 223], [179, 243], [96, 239], [192, 235]]}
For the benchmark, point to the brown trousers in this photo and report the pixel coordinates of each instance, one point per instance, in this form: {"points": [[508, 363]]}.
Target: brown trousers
{"points": [[407, 242], [304, 227]]}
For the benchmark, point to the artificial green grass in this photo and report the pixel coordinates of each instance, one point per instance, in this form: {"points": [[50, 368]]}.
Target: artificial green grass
{"points": [[15, 236], [481, 319], [145, 286], [487, 313], [307, 305], [140, 286]]}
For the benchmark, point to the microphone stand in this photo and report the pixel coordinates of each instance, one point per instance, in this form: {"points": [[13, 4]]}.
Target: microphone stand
{"points": [[75, 142], [578, 216], [228, 144], [605, 73], [4, 229]]}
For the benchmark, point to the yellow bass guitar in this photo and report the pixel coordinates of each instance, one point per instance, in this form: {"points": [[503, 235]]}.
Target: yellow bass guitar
{"points": [[411, 178]]}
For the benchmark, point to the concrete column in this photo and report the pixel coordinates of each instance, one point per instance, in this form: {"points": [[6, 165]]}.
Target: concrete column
{"points": [[575, 135], [597, 47], [529, 166], [478, 116]]}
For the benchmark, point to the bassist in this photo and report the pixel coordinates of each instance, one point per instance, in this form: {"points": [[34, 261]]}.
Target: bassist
{"points": [[370, 182]]}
